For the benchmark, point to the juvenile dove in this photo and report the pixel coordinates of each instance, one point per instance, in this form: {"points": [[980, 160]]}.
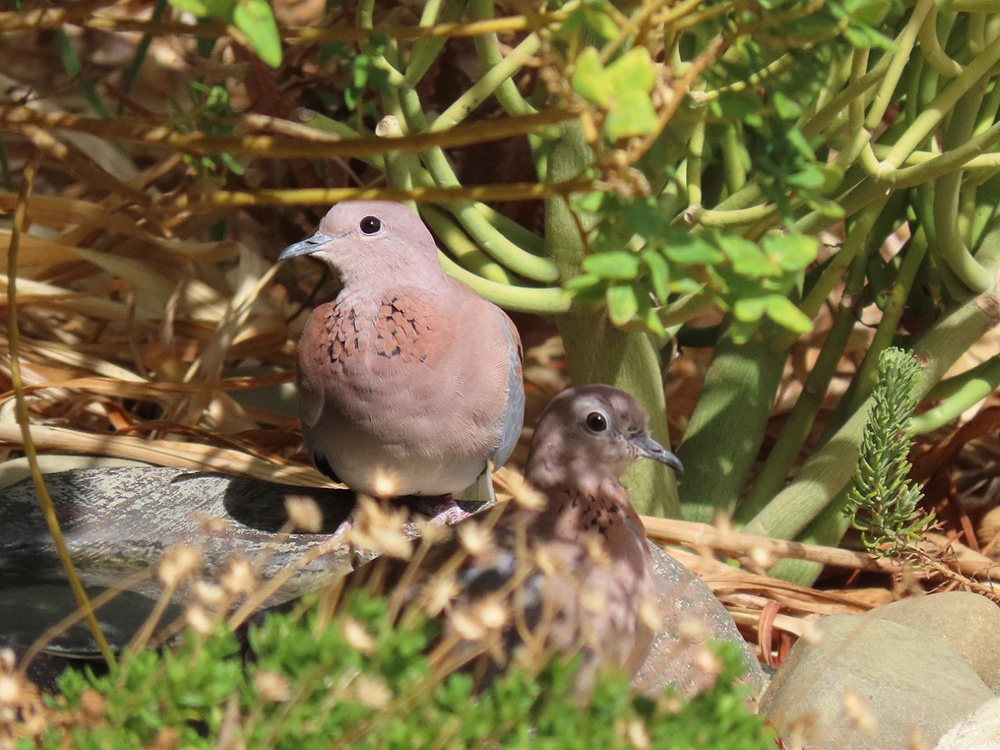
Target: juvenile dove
{"points": [[577, 573], [409, 381]]}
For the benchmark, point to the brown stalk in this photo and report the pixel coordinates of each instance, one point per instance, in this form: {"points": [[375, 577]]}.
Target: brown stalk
{"points": [[21, 118], [24, 419], [517, 191]]}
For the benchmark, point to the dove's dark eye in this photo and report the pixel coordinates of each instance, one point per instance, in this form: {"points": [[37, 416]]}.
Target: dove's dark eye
{"points": [[370, 224], [597, 422]]}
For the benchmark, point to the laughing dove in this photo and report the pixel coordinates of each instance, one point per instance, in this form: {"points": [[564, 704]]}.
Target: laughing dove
{"points": [[573, 573], [409, 381]]}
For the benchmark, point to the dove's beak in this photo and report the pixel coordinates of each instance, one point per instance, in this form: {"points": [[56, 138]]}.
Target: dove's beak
{"points": [[646, 447], [305, 247]]}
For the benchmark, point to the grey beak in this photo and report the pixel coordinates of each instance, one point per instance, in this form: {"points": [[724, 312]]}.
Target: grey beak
{"points": [[305, 247], [646, 447]]}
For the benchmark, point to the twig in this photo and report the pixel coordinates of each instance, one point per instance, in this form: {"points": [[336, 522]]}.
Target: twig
{"points": [[24, 420]]}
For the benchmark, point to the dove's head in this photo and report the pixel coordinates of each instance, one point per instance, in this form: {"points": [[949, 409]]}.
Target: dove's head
{"points": [[595, 429], [373, 242]]}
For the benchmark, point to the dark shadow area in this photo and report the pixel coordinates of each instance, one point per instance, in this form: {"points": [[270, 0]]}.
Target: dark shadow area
{"points": [[261, 505]]}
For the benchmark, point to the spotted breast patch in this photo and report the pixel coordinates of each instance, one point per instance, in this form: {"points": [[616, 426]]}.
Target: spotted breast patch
{"points": [[396, 330], [595, 516]]}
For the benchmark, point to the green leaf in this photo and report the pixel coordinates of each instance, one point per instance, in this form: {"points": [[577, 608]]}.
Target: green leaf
{"points": [[747, 259], [590, 80], [786, 107], [792, 252], [588, 202], [659, 274], [623, 304], [633, 115], [255, 19], [620, 265], [686, 286], [195, 7], [584, 281], [750, 309], [783, 312], [647, 319], [871, 12], [600, 22], [810, 177], [633, 71], [692, 251]]}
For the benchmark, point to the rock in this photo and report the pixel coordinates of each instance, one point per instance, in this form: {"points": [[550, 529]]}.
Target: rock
{"points": [[864, 683], [967, 622], [981, 731], [688, 606], [13, 471], [118, 522]]}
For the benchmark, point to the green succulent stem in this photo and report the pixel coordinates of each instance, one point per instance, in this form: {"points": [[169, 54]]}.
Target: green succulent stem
{"points": [[538, 300], [461, 248], [864, 380], [796, 429], [502, 68], [425, 51], [726, 429], [958, 394]]}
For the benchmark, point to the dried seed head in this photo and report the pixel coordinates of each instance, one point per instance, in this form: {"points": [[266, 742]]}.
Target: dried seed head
{"points": [[429, 532], [692, 630], [812, 634], [492, 612], [238, 577], [593, 600], [212, 526], [650, 614], [670, 704], [467, 624], [380, 530], [272, 686], [438, 594], [199, 620], [177, 564], [208, 593], [637, 735], [918, 741], [707, 661], [372, 693], [524, 495], [596, 550], [10, 690], [761, 557], [304, 514], [358, 636], [476, 539], [859, 712], [545, 561], [385, 484]]}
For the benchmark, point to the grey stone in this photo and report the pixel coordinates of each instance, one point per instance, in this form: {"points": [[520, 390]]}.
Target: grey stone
{"points": [[904, 680], [688, 605], [13, 471], [967, 622], [119, 521], [981, 731]]}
